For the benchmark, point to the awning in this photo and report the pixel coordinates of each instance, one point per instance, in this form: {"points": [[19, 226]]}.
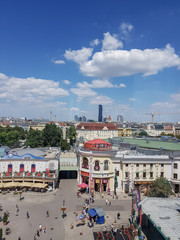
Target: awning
{"points": [[39, 185], [92, 213], [25, 184], [11, 184], [99, 211], [1, 185], [83, 185]]}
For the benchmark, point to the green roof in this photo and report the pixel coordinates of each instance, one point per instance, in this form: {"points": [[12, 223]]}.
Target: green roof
{"points": [[153, 144]]}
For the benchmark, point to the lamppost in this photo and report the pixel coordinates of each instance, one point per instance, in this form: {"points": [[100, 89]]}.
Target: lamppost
{"points": [[63, 208]]}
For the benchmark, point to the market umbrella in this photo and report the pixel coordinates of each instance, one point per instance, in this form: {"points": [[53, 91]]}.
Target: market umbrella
{"points": [[83, 185]]}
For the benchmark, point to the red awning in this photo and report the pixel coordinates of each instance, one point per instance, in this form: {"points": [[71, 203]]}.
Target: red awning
{"points": [[83, 185]]}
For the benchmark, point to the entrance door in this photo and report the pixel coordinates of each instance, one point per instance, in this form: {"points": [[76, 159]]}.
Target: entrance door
{"points": [[104, 187], [176, 188], [97, 187]]}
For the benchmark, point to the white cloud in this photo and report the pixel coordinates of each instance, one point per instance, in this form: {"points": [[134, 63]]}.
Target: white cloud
{"points": [[176, 97], [74, 109], [95, 42], [125, 29], [98, 83], [101, 100], [132, 99], [79, 56], [111, 42], [83, 92], [29, 89], [117, 63], [159, 105], [58, 61], [66, 82]]}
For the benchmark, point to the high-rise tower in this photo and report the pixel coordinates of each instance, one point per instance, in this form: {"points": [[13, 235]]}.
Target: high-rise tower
{"points": [[100, 116]]}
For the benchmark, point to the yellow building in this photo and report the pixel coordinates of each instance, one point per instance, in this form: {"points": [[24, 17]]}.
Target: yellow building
{"points": [[124, 132]]}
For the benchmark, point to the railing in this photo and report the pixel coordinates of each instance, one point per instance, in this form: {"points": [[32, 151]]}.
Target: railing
{"points": [[29, 174]]}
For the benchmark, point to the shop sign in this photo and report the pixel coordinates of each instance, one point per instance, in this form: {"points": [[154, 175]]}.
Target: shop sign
{"points": [[92, 185], [85, 174], [97, 181]]}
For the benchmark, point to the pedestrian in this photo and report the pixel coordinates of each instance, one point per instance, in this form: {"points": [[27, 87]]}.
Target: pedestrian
{"points": [[109, 203], [118, 215], [90, 198], [19, 238], [40, 227], [38, 233], [106, 202], [44, 229], [27, 214], [47, 213]]}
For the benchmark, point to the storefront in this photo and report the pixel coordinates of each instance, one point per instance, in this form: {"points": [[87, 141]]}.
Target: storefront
{"points": [[101, 185], [85, 177]]}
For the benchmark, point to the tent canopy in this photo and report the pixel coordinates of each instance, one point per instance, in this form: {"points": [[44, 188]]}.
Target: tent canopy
{"points": [[92, 212], [99, 211], [83, 185]]}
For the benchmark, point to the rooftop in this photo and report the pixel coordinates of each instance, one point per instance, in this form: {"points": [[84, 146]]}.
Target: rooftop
{"points": [[152, 144], [164, 213]]}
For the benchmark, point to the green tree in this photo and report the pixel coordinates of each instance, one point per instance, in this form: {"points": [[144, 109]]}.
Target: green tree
{"points": [[143, 133], [13, 138], [65, 145], [34, 138], [3, 138], [21, 131], [71, 134], [160, 188], [52, 135]]}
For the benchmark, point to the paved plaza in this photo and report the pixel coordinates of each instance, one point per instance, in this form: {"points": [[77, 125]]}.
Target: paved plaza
{"points": [[57, 228]]}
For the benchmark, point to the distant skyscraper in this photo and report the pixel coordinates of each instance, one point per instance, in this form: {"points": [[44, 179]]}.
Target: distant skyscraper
{"points": [[83, 119], [76, 118], [100, 116], [120, 118], [80, 119]]}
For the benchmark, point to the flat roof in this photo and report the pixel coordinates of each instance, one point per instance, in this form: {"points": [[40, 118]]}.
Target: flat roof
{"points": [[163, 212], [153, 144]]}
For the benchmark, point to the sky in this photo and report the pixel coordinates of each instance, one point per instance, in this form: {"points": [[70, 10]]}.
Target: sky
{"points": [[67, 57]]}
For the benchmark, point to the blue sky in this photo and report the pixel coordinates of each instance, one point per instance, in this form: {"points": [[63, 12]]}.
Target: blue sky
{"points": [[69, 56]]}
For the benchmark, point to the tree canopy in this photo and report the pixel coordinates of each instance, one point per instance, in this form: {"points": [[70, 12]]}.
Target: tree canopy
{"points": [[71, 134], [34, 138], [160, 188], [51, 135]]}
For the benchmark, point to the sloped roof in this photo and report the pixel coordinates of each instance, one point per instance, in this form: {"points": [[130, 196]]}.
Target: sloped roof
{"points": [[98, 141], [27, 155], [96, 126], [99, 211]]}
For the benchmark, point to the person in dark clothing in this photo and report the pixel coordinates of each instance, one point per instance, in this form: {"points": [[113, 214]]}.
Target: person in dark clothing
{"points": [[118, 215]]}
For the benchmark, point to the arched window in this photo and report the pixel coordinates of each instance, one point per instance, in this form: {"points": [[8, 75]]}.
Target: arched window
{"points": [[21, 167], [106, 166], [85, 163], [33, 168], [96, 167], [9, 167]]}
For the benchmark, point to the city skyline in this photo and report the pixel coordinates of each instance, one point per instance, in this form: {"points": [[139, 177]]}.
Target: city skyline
{"points": [[71, 57]]}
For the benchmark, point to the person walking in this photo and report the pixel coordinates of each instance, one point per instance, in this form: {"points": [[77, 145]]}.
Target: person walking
{"points": [[118, 215], [27, 214], [106, 202], [47, 213]]}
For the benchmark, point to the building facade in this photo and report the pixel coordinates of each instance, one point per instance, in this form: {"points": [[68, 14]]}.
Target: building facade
{"points": [[90, 131]]}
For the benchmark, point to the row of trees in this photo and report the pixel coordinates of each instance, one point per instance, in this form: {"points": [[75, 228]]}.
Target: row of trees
{"points": [[51, 136]]}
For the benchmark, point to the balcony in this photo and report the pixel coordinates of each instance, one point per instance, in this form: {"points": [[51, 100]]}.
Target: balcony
{"points": [[41, 175], [96, 168], [85, 166], [106, 168]]}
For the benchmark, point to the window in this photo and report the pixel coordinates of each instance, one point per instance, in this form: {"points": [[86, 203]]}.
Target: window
{"points": [[151, 165], [96, 167], [85, 163], [21, 167], [106, 167], [10, 168], [137, 175], [175, 165], [175, 176], [162, 165], [117, 173], [126, 165], [144, 165], [126, 174], [151, 174], [162, 174], [33, 168], [144, 174], [137, 165]]}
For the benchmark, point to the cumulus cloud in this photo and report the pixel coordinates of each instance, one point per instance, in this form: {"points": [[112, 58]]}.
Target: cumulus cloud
{"points": [[101, 100], [117, 63], [66, 82], [74, 109], [98, 83], [132, 99], [158, 105], [94, 42], [58, 61], [176, 97], [29, 89], [79, 56], [83, 92], [111, 42]]}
